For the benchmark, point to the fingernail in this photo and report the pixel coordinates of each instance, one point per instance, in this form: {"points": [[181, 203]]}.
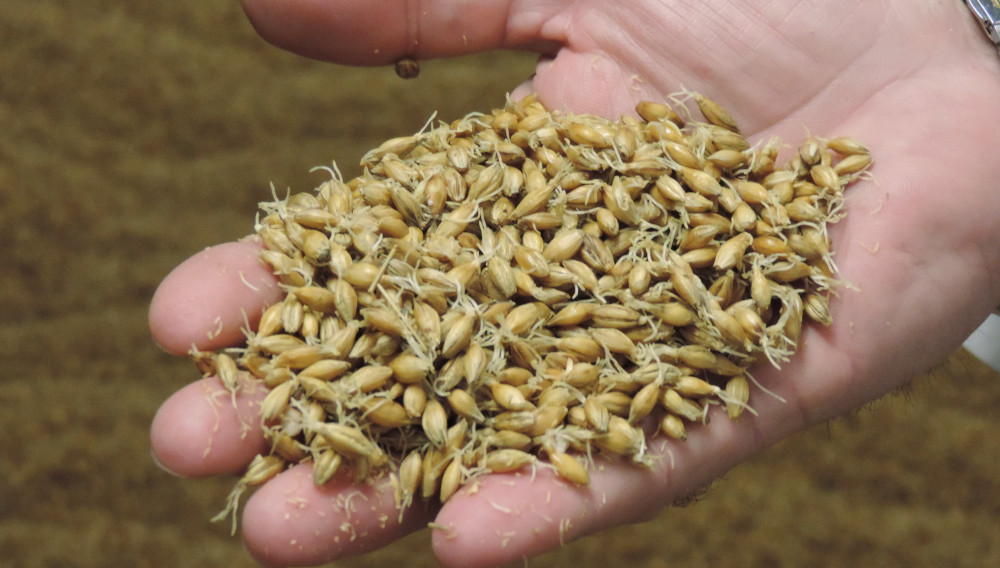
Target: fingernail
{"points": [[160, 465]]}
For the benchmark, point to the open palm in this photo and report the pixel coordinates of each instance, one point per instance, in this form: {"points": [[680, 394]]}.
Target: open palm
{"points": [[920, 244]]}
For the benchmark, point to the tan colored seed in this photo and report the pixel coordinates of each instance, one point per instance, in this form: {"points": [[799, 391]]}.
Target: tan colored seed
{"points": [[387, 413], [847, 146], [621, 438], [582, 375], [270, 321], [510, 397], [433, 466], [614, 340], [694, 387], [569, 468], [852, 164], [597, 414], [760, 288], [615, 316], [488, 181], [326, 463], [227, 371], [533, 202], [685, 408], [457, 338], [451, 479], [509, 439], [556, 395], [384, 320], [414, 400], [801, 209], [810, 151], [276, 402], [531, 261], [277, 343], [673, 313], [654, 111], [700, 182], [347, 440], [743, 217], [475, 362], [752, 192], [698, 237], [639, 279], [585, 276], [465, 405], [409, 369], [701, 258], [316, 245], [748, 318], [697, 356], [342, 342], [428, 321], [300, 357], [369, 378], [730, 254], [788, 271], [506, 460], [361, 275], [516, 376], [673, 426], [523, 318], [581, 348], [770, 244], [514, 420], [262, 469], [291, 314], [501, 276], [410, 470], [643, 402], [728, 158], [817, 307], [435, 422], [564, 245], [715, 114], [738, 391]]}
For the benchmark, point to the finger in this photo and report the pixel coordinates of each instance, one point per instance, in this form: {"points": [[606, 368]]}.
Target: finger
{"points": [[204, 429], [379, 32], [290, 521], [208, 299], [531, 512]]}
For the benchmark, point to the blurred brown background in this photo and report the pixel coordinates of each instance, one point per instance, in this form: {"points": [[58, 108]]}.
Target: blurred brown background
{"points": [[134, 134]]}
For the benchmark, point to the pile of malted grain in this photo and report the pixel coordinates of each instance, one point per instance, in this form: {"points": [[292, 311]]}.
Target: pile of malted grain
{"points": [[525, 286]]}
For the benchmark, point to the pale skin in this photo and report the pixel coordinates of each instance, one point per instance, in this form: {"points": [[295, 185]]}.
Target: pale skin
{"points": [[917, 82]]}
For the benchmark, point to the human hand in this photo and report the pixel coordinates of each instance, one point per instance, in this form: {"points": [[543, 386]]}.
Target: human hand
{"points": [[921, 245]]}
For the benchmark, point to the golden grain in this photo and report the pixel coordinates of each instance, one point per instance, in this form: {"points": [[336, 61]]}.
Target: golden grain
{"points": [[526, 283]]}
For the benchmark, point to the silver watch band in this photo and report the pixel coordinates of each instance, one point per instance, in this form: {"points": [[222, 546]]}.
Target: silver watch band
{"points": [[988, 14], [984, 343]]}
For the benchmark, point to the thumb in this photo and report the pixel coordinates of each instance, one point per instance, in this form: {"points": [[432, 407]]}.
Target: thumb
{"points": [[379, 32]]}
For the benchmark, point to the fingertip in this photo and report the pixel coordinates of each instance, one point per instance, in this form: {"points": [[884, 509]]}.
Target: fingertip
{"points": [[198, 432], [503, 518], [341, 32], [207, 299], [290, 521]]}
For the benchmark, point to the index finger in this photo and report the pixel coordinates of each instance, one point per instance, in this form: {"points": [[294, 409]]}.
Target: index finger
{"points": [[379, 32]]}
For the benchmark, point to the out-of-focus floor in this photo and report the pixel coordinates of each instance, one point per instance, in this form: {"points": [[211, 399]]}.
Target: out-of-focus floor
{"points": [[134, 134]]}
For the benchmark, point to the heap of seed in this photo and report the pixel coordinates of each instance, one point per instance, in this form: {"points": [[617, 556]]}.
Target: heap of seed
{"points": [[526, 286]]}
